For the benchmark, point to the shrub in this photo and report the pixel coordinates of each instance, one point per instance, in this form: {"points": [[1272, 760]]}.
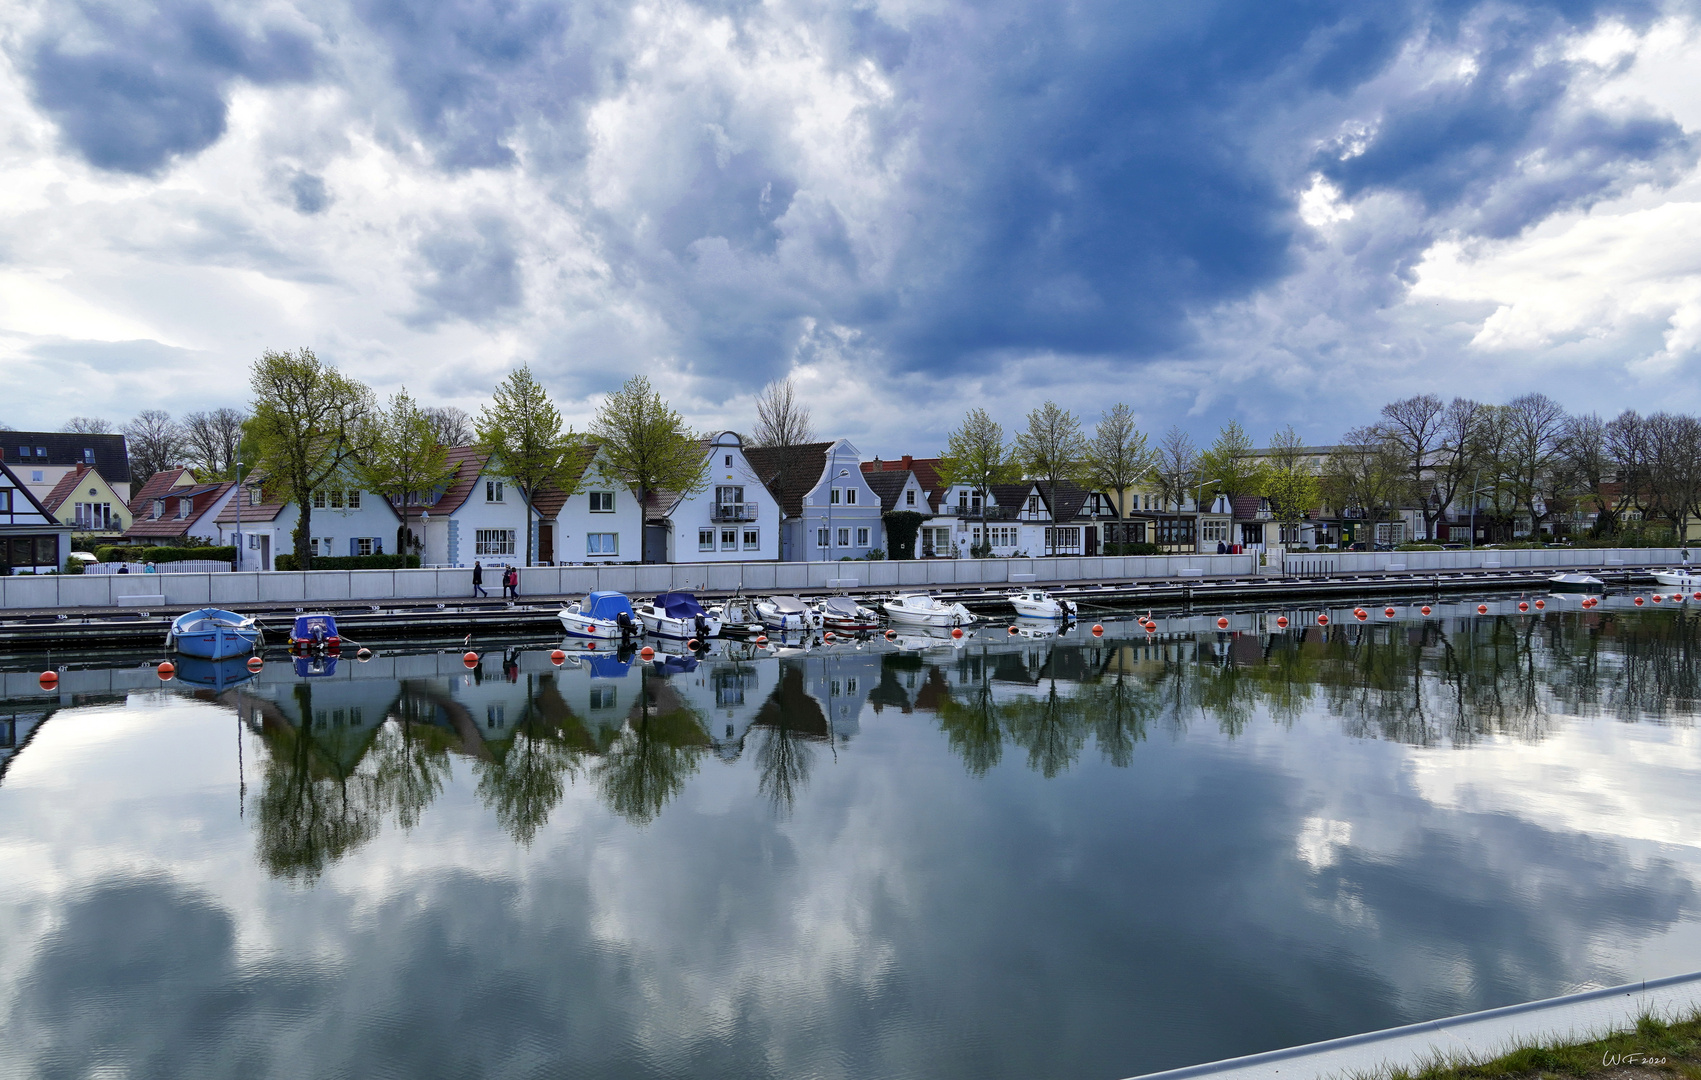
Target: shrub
{"points": [[1417, 547], [982, 550], [353, 562], [1131, 548], [143, 553], [876, 555]]}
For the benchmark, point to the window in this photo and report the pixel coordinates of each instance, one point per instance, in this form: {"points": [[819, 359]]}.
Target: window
{"points": [[844, 538], [850, 686], [1033, 504], [705, 539], [729, 461], [363, 546], [354, 500], [850, 496], [602, 502], [93, 515], [1212, 531], [5, 502], [1174, 531], [318, 500], [1391, 532], [833, 496], [183, 507], [821, 537], [602, 697], [752, 539], [159, 508], [253, 496], [337, 499], [495, 716], [1063, 541], [88, 455], [41, 451], [729, 539], [909, 498], [493, 542], [493, 491], [862, 538], [36, 476], [253, 541], [602, 543], [23, 451]]}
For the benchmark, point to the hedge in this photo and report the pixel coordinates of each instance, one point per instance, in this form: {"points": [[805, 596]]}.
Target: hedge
{"points": [[142, 553], [353, 562]]}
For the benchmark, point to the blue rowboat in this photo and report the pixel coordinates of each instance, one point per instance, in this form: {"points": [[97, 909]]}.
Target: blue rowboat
{"points": [[212, 674], [213, 634]]}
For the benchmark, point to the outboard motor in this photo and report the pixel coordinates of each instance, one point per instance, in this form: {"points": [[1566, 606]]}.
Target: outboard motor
{"points": [[702, 630], [625, 622]]}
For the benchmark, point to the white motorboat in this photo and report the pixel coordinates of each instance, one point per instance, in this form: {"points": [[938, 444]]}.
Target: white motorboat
{"points": [[1027, 627], [845, 615], [739, 617], [920, 609], [922, 638], [678, 615], [1575, 583], [1680, 579], [1039, 604], [787, 613], [601, 616]]}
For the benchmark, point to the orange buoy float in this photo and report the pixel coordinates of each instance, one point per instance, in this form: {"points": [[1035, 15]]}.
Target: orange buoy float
{"points": [[1523, 605], [1698, 596], [255, 663], [1388, 611], [363, 655], [1424, 609], [1222, 623], [470, 659], [1541, 604], [1151, 628], [590, 644], [1482, 609], [166, 669], [762, 639], [647, 653], [1012, 629], [1360, 614], [49, 679], [558, 657], [694, 644], [1098, 630], [957, 632], [1282, 621], [1638, 601], [1658, 598], [1322, 620], [891, 635], [827, 635]]}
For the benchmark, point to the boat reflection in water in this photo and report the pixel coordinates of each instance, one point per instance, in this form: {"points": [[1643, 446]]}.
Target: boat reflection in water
{"points": [[836, 837]]}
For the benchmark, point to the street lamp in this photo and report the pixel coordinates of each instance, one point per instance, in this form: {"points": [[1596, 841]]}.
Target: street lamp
{"points": [[239, 515], [830, 490]]}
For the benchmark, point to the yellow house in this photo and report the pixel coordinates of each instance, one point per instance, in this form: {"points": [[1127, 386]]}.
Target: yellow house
{"points": [[85, 501]]}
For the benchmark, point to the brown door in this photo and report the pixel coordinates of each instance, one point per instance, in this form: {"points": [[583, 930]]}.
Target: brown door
{"points": [[1092, 540], [546, 543]]}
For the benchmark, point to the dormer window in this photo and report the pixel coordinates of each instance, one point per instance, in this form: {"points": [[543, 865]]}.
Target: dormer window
{"points": [[493, 491], [88, 455], [253, 496], [183, 506], [909, 498], [41, 451], [159, 508]]}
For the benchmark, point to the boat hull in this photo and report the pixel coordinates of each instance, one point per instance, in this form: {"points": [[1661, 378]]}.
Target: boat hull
{"points": [[1581, 583], [220, 644], [679, 629], [943, 619], [1680, 579], [589, 629], [1048, 609]]}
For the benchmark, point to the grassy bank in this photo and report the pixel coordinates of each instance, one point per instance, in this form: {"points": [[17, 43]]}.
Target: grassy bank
{"points": [[1654, 1048]]}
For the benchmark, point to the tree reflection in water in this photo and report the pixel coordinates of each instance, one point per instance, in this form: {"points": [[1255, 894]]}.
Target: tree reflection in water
{"points": [[330, 782]]}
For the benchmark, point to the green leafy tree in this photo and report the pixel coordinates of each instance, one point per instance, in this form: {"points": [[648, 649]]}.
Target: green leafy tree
{"points": [[1118, 457], [646, 445], [977, 455], [1291, 484], [1231, 465], [403, 459], [1053, 449], [521, 430], [308, 419]]}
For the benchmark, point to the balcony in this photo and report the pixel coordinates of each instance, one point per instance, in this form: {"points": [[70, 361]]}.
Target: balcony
{"points": [[745, 511]]}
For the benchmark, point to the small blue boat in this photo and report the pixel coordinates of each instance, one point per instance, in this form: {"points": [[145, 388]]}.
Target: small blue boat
{"points": [[213, 634], [213, 674], [317, 666]]}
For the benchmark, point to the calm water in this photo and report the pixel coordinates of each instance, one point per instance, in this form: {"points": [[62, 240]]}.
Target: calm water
{"points": [[1013, 857]]}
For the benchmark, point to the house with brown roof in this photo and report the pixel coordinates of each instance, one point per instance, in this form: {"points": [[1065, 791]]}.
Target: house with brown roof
{"points": [[830, 511], [345, 520], [40, 459], [735, 518], [174, 511], [85, 501]]}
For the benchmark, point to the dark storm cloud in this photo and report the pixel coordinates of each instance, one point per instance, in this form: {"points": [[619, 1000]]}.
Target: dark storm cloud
{"points": [[471, 272], [132, 86]]}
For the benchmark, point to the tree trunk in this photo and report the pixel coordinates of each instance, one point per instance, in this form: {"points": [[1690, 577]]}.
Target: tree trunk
{"points": [[526, 497], [303, 527]]}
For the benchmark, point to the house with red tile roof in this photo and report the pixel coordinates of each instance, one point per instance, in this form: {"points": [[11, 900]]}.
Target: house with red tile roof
{"points": [[177, 512], [85, 501], [344, 520]]}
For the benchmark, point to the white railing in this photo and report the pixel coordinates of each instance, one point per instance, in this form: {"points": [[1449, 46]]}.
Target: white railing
{"points": [[296, 587]]}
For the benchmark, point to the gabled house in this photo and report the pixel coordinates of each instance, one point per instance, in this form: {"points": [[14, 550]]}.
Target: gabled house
{"points": [[900, 492], [735, 518], [345, 520], [601, 522], [85, 501], [40, 459], [32, 540], [173, 510], [830, 511]]}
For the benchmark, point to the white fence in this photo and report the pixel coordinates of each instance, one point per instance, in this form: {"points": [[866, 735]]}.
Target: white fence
{"points": [[321, 586], [187, 566]]}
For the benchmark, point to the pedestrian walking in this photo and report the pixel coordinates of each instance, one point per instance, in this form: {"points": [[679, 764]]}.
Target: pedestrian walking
{"points": [[1686, 560], [514, 581], [478, 579]]}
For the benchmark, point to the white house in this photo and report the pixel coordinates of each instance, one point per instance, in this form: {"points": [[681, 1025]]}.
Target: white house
{"points": [[1017, 519], [344, 521], [734, 519], [831, 512], [31, 539], [601, 522]]}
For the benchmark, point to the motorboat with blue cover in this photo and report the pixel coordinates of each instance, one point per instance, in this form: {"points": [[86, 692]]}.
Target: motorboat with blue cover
{"points": [[319, 666], [213, 634], [315, 633], [679, 615], [600, 616]]}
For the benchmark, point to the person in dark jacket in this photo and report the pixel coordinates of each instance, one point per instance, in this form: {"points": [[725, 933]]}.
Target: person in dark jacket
{"points": [[478, 579]]}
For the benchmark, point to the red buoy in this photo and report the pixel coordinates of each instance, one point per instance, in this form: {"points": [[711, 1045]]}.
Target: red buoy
{"points": [[1638, 601], [1222, 623], [957, 632], [1151, 628], [647, 653], [1388, 611], [166, 669], [1360, 614], [1098, 630], [694, 644], [1282, 621], [1424, 609], [1698, 596], [49, 679], [762, 639], [255, 663], [470, 659], [827, 635], [891, 635], [1658, 598], [1012, 629], [363, 655], [1322, 620], [1523, 605], [1540, 604], [558, 657], [1482, 609]]}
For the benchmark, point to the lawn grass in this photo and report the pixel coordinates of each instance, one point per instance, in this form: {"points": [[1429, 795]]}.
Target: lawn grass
{"points": [[1678, 1043]]}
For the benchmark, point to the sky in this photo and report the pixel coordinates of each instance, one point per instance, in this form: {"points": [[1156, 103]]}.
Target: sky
{"points": [[1274, 213]]}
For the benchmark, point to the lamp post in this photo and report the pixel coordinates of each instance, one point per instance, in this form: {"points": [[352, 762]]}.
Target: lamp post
{"points": [[831, 490], [1199, 510], [239, 548]]}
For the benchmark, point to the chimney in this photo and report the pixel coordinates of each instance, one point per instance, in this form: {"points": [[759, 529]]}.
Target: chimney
{"points": [[909, 462]]}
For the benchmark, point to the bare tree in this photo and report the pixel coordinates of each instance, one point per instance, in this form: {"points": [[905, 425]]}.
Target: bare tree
{"points": [[1536, 426], [1590, 469], [155, 443], [1118, 457], [88, 425], [1416, 424], [1053, 449], [1673, 466], [1627, 444], [1365, 474], [1177, 465], [211, 439], [1459, 450], [452, 426], [781, 419]]}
